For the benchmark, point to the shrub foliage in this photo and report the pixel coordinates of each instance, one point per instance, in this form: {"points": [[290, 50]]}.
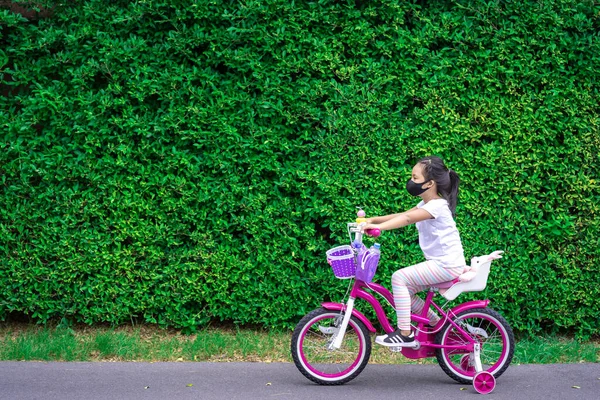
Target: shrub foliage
{"points": [[182, 162]]}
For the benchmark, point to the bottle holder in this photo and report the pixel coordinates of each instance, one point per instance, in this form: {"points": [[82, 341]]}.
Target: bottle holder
{"points": [[367, 268]]}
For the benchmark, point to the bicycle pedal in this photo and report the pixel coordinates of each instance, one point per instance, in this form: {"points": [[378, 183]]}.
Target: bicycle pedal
{"points": [[397, 349]]}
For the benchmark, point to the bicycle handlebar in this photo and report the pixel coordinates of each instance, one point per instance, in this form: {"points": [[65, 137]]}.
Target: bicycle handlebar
{"points": [[373, 232], [357, 228]]}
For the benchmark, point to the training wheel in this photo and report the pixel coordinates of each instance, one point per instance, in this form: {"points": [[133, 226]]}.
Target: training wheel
{"points": [[484, 382], [464, 364]]}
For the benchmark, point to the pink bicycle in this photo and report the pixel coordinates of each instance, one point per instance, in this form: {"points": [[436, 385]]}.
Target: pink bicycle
{"points": [[331, 345]]}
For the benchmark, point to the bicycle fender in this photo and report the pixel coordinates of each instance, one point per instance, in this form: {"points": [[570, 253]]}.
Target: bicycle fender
{"points": [[360, 316], [469, 305]]}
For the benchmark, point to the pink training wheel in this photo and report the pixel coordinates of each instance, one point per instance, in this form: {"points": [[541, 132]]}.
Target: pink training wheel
{"points": [[464, 364], [484, 382]]}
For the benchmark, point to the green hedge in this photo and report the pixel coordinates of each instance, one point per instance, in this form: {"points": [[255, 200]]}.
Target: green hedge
{"points": [[187, 162]]}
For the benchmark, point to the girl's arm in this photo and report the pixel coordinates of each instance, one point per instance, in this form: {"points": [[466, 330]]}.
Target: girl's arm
{"points": [[384, 218], [400, 220]]}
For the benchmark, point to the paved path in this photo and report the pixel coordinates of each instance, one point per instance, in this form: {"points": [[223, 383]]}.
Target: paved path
{"points": [[249, 381]]}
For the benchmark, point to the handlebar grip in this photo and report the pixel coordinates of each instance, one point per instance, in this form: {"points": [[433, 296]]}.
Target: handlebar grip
{"points": [[373, 232]]}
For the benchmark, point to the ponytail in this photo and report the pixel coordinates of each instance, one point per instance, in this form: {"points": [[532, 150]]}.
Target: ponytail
{"points": [[452, 195]]}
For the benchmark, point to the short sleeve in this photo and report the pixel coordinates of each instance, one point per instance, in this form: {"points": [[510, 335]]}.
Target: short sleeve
{"points": [[434, 207]]}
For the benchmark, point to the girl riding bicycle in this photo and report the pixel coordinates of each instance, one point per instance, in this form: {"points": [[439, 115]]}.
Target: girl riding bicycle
{"points": [[439, 239]]}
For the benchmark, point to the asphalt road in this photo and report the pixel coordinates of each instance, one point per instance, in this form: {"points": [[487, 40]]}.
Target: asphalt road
{"points": [[248, 381]]}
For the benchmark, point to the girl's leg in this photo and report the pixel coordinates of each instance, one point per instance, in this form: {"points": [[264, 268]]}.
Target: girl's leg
{"points": [[408, 281], [417, 304]]}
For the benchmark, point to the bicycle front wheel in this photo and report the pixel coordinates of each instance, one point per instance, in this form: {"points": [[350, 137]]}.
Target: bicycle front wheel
{"points": [[314, 357], [492, 332]]}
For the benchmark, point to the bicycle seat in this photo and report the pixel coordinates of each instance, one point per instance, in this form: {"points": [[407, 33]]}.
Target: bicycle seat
{"points": [[445, 285]]}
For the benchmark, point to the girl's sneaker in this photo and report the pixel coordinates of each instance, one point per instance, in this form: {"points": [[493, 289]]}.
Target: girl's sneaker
{"points": [[396, 339]]}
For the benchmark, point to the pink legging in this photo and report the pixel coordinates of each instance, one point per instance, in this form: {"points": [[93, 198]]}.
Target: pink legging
{"points": [[410, 280]]}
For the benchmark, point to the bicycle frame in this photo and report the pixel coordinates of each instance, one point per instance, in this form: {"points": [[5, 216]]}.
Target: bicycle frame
{"points": [[426, 338]]}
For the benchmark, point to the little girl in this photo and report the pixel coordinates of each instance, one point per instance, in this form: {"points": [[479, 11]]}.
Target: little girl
{"points": [[437, 186]]}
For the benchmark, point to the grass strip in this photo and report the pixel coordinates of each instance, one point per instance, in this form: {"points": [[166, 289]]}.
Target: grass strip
{"points": [[22, 342]]}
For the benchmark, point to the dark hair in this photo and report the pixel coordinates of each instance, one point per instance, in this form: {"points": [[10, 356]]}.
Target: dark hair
{"points": [[446, 179]]}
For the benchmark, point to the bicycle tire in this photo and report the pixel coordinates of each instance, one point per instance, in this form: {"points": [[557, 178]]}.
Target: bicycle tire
{"points": [[309, 348], [495, 336]]}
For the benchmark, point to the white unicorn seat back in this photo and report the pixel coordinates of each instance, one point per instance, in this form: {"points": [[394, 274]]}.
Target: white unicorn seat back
{"points": [[475, 277]]}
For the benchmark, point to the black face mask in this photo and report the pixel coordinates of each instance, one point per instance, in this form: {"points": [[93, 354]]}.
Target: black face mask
{"points": [[414, 188]]}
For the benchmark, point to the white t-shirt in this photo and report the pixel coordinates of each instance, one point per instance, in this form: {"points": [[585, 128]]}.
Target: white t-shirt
{"points": [[438, 237]]}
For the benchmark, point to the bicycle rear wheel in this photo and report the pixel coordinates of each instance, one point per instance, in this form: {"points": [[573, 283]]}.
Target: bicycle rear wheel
{"points": [[491, 330], [314, 358]]}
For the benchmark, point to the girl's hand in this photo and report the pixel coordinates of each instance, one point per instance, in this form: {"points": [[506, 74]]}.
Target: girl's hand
{"points": [[370, 226]]}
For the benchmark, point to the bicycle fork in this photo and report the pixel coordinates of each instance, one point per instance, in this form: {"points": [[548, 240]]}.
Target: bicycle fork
{"points": [[336, 343], [477, 357]]}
